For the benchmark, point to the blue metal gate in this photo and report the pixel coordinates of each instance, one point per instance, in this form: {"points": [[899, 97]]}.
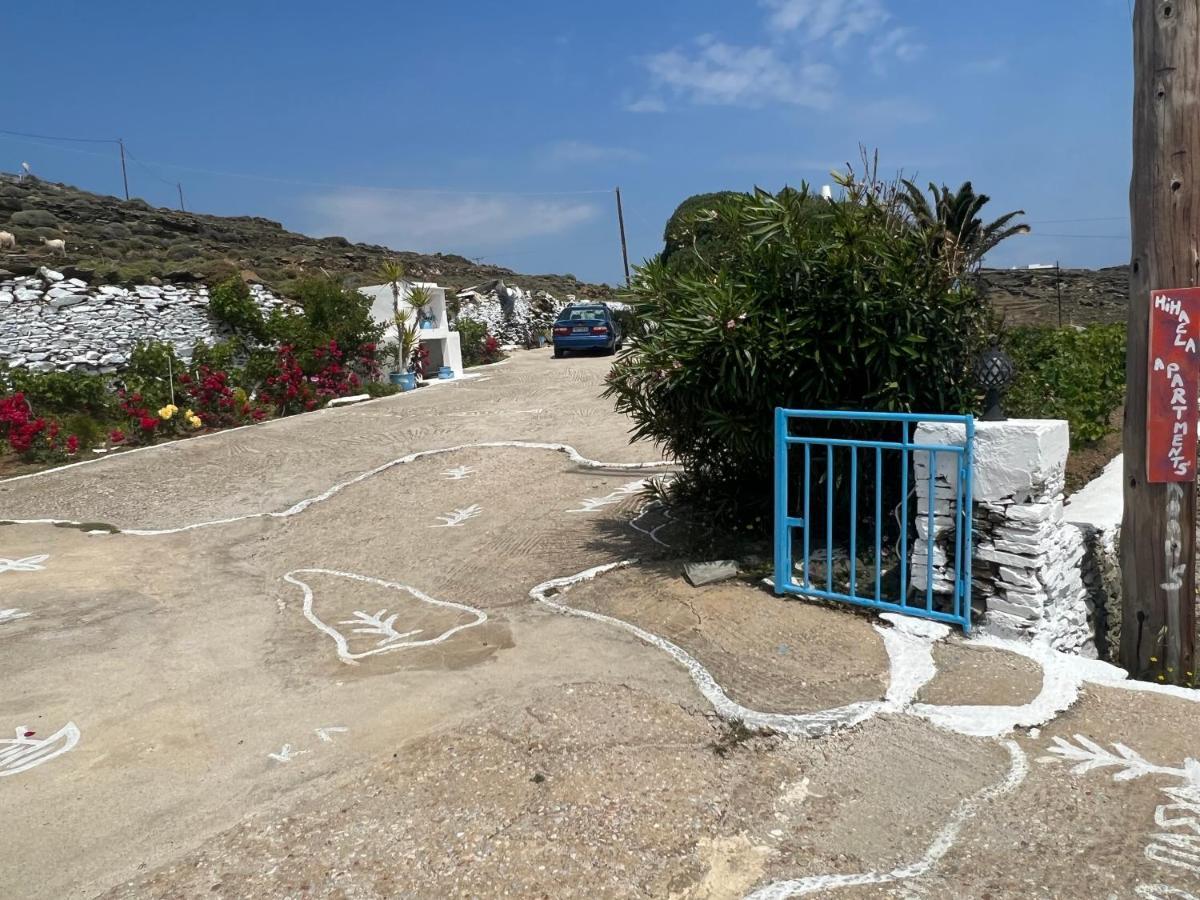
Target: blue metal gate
{"points": [[940, 574]]}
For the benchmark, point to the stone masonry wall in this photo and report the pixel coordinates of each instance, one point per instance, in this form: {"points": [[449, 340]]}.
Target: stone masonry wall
{"points": [[51, 323], [1027, 566]]}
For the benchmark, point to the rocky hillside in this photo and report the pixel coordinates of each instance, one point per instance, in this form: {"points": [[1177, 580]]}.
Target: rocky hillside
{"points": [[130, 242], [1031, 296]]}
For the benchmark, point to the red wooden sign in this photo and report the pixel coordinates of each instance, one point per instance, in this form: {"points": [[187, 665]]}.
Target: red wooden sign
{"points": [[1171, 386]]}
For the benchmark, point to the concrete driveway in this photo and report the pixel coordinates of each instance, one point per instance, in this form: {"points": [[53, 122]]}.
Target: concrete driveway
{"points": [[347, 655]]}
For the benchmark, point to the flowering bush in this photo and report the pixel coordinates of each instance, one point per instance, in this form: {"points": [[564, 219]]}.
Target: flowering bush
{"points": [[33, 438], [291, 389]]}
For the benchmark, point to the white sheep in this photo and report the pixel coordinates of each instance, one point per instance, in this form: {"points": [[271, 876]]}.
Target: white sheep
{"points": [[7, 241], [58, 245]]}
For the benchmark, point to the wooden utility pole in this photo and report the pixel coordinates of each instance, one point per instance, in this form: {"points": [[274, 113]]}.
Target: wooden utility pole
{"points": [[624, 249], [1158, 531], [124, 175], [180, 186]]}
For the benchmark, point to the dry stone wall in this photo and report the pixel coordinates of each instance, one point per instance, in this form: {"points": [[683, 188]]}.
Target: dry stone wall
{"points": [[52, 323], [1028, 561]]}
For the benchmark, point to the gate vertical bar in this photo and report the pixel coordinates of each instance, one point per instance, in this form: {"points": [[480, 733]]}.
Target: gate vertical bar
{"points": [[904, 516], [959, 562], [853, 519], [929, 542], [829, 518], [968, 523], [807, 519], [783, 525], [878, 524]]}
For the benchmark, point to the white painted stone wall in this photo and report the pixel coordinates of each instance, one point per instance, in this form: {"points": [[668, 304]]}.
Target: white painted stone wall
{"points": [[1027, 564], [49, 323], [1096, 511]]}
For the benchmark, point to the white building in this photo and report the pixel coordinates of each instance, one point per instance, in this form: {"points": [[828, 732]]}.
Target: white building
{"points": [[442, 343]]}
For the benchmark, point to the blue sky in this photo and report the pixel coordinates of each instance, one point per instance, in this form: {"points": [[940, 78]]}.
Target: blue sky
{"points": [[499, 130]]}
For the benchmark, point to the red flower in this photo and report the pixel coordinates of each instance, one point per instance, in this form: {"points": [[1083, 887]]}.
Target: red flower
{"points": [[148, 423], [116, 436], [72, 445]]}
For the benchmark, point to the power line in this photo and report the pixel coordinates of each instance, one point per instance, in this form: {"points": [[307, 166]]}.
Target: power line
{"points": [[50, 137]]}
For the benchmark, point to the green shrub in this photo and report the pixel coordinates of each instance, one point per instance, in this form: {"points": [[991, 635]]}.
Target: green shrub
{"points": [[331, 313], [61, 393], [151, 367], [222, 355], [91, 432], [1066, 373], [807, 304], [702, 227], [230, 304], [382, 388], [472, 335]]}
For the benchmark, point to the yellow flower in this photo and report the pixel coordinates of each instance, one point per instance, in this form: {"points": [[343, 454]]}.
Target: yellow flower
{"points": [[193, 419], [167, 411]]}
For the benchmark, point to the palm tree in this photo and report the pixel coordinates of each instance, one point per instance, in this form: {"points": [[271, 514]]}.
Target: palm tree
{"points": [[952, 222], [392, 271]]}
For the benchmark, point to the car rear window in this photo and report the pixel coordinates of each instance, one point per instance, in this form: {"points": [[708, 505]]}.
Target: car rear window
{"points": [[583, 315]]}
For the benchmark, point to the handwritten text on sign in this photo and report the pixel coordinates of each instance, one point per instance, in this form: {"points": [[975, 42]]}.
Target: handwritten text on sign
{"points": [[1171, 387]]}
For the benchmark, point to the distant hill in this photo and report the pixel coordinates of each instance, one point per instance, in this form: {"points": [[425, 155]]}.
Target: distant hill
{"points": [[120, 241]]}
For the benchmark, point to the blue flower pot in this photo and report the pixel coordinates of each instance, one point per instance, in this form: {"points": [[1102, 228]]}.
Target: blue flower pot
{"points": [[408, 381], [396, 377], [445, 373]]}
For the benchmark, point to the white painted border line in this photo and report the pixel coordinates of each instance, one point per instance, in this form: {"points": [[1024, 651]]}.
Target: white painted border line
{"points": [[300, 506], [343, 647], [945, 839], [909, 654]]}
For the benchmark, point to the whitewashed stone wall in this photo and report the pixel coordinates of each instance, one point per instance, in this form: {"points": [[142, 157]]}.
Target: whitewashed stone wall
{"points": [[1096, 511], [1027, 565], [51, 323]]}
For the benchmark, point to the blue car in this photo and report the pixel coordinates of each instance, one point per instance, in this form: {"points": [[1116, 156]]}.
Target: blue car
{"points": [[586, 326]]}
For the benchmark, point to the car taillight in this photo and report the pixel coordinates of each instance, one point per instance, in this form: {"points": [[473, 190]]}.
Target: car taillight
{"points": [[599, 329], [561, 329]]}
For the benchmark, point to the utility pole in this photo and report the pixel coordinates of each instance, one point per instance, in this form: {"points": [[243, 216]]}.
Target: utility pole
{"points": [[624, 249], [1058, 288], [124, 175], [1158, 531], [180, 186]]}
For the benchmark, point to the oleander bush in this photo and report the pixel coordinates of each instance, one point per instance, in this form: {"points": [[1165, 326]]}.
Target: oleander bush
{"points": [[855, 304]]}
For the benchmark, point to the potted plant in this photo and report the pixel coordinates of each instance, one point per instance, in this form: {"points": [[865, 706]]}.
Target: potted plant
{"points": [[401, 350], [418, 299]]}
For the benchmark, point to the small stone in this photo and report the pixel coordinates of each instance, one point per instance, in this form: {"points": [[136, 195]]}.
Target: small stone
{"points": [[703, 573]]}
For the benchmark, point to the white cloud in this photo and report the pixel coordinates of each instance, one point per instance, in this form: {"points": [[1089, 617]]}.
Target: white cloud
{"points": [[720, 73], [836, 21], [646, 105], [896, 44], [439, 222], [585, 153], [795, 67]]}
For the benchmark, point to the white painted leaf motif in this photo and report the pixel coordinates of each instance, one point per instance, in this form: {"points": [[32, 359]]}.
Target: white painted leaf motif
{"points": [[1089, 755], [381, 623], [21, 753], [28, 564], [376, 624], [594, 503], [458, 517], [458, 473]]}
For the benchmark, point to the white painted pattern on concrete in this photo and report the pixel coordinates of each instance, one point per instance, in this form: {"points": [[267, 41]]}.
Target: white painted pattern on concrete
{"points": [[968, 809], [27, 564], [295, 509], [26, 750], [391, 640]]}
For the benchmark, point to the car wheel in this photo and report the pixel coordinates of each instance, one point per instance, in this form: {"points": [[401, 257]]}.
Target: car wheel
{"points": [[558, 354]]}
